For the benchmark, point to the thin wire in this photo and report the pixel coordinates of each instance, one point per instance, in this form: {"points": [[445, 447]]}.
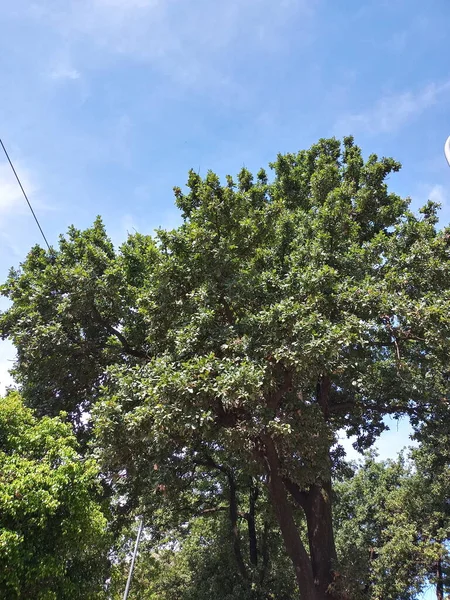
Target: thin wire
{"points": [[25, 195]]}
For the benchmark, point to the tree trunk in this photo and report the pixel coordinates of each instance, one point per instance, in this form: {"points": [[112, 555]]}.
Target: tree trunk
{"points": [[285, 517], [439, 581], [253, 545], [234, 524], [316, 503], [264, 552], [320, 535]]}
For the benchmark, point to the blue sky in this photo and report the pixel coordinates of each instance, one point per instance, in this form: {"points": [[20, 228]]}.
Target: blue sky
{"points": [[106, 104]]}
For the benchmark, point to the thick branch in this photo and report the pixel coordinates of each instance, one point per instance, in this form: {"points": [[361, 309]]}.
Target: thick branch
{"points": [[264, 552], [234, 525], [297, 494], [323, 395], [285, 516], [125, 345], [122, 339], [253, 546], [316, 502], [207, 461], [273, 399]]}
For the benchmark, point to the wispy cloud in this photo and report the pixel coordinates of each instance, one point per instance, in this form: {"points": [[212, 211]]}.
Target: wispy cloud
{"points": [[11, 198], [196, 44], [13, 204], [435, 192], [438, 194], [65, 73], [127, 4], [393, 111]]}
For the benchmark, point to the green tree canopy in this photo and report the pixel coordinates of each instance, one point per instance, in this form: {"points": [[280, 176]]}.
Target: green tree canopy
{"points": [[278, 313], [392, 524], [53, 538]]}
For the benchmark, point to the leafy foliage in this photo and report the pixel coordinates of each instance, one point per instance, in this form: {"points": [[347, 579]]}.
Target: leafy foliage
{"points": [[200, 565], [278, 313], [53, 541], [392, 524]]}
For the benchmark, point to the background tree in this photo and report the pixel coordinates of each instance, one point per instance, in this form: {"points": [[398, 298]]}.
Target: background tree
{"points": [[278, 313], [197, 562], [392, 527], [432, 492], [53, 537]]}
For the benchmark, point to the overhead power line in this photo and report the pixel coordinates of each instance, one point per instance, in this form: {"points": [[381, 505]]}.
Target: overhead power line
{"points": [[25, 195]]}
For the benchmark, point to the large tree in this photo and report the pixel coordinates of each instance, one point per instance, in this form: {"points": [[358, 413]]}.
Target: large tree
{"points": [[278, 313], [53, 532]]}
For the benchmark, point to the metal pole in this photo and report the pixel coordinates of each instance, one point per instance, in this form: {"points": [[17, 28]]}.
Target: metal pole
{"points": [[447, 150], [130, 574]]}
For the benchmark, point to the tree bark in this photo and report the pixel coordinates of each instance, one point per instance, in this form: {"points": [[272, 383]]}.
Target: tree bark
{"points": [[234, 524], [320, 535], [439, 581], [253, 545], [264, 552], [285, 517], [316, 503]]}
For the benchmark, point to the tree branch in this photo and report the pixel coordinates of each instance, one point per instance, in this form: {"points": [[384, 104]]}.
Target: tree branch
{"points": [[251, 523], [211, 511], [227, 311], [273, 399], [122, 339], [297, 494], [323, 395]]}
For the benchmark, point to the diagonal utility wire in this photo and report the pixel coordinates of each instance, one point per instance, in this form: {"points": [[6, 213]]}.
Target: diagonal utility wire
{"points": [[25, 195]]}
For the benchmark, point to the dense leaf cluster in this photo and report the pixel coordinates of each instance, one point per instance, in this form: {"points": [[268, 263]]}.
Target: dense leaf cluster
{"points": [[53, 532]]}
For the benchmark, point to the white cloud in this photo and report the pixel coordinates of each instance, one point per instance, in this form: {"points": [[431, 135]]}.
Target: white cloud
{"points": [[17, 226], [197, 44], [438, 194], [393, 111], [65, 73], [126, 4], [11, 198]]}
